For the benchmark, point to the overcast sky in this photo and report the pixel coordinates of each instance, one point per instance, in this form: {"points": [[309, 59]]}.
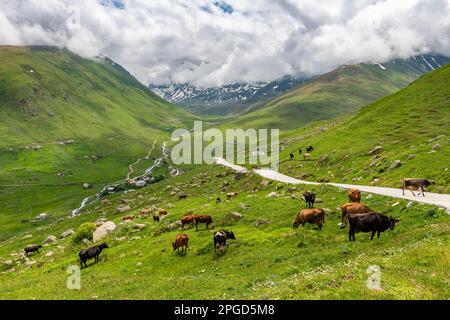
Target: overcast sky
{"points": [[211, 43]]}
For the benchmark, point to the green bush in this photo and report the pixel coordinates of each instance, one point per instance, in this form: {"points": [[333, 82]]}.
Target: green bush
{"points": [[85, 231]]}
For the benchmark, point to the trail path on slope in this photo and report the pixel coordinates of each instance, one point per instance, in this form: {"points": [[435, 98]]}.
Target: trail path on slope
{"points": [[441, 200], [130, 167]]}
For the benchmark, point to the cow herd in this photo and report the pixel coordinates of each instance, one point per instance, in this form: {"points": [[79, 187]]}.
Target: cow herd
{"points": [[359, 216]]}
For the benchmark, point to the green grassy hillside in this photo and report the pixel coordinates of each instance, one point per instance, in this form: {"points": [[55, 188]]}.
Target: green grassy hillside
{"points": [[268, 259], [49, 95], [410, 125], [340, 92]]}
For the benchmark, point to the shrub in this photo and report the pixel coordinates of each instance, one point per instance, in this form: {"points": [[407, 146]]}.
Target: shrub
{"points": [[85, 231]]}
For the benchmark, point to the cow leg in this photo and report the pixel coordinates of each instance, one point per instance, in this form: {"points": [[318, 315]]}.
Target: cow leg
{"points": [[343, 223], [423, 193], [373, 233], [378, 234], [412, 192]]}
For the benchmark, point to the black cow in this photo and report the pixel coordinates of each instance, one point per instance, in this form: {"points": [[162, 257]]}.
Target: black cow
{"points": [[90, 253], [156, 218], [220, 238], [309, 149], [299, 151], [369, 222], [32, 248], [291, 155], [310, 198], [182, 196]]}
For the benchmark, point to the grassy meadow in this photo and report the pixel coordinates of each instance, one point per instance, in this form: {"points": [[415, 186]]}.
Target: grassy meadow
{"points": [[410, 125], [268, 259]]}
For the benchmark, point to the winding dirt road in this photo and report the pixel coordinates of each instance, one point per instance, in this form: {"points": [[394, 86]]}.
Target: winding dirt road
{"points": [[441, 200]]}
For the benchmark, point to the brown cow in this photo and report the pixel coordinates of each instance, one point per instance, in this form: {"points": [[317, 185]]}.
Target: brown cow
{"points": [[315, 216], [187, 219], [354, 195], [353, 207], [127, 218], [181, 241], [162, 212], [420, 184], [202, 218], [231, 195], [146, 211]]}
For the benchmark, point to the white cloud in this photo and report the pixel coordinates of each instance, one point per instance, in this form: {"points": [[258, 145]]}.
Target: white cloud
{"points": [[196, 41]]}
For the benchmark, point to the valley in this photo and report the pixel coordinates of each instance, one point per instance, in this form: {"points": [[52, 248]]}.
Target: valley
{"points": [[75, 129]]}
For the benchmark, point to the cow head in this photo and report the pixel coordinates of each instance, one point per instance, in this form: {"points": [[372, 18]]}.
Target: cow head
{"points": [[295, 224], [431, 182], [174, 245], [230, 235], [392, 222]]}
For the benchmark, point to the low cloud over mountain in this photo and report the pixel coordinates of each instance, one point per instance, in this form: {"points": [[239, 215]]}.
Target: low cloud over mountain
{"points": [[212, 43]]}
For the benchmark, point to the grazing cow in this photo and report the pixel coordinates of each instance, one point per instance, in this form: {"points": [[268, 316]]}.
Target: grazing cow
{"points": [[202, 218], [182, 196], [220, 238], [162, 212], [354, 195], [309, 149], [181, 241], [314, 216], [299, 151], [372, 222], [218, 200], [291, 155], [353, 207], [420, 184], [90, 253], [32, 248], [187, 219], [310, 198], [306, 156], [146, 211], [129, 217], [231, 195], [156, 218]]}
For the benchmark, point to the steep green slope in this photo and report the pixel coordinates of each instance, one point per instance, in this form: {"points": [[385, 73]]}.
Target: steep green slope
{"points": [[268, 259], [49, 95], [340, 92], [411, 125]]}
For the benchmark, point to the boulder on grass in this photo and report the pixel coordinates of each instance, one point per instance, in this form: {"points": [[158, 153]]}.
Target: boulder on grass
{"points": [[50, 239], [103, 230], [67, 233]]}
